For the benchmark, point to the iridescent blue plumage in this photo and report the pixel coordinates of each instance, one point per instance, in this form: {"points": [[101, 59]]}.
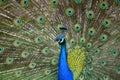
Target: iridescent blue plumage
{"points": [[64, 73]]}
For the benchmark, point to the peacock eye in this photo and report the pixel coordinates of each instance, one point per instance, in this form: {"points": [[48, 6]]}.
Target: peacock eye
{"points": [[69, 11], [106, 22], [18, 73], [81, 77], [78, 1], [72, 42], [82, 40], [105, 77], [38, 40], [17, 43], [89, 60], [88, 46], [90, 67], [115, 52], [117, 1], [77, 27], [54, 61], [118, 70], [1, 50], [90, 14], [32, 65], [47, 72], [54, 3], [41, 19], [4, 1], [9, 60], [25, 54], [97, 51], [103, 37], [25, 2], [46, 51], [91, 31], [104, 5], [18, 22], [102, 63]]}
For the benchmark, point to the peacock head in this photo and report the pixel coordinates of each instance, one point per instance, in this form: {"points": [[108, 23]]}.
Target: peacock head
{"points": [[60, 39]]}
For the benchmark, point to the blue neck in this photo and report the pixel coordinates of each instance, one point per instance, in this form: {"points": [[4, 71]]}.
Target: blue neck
{"points": [[63, 57], [64, 73]]}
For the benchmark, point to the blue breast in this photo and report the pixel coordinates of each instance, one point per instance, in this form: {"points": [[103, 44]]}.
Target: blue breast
{"points": [[64, 73]]}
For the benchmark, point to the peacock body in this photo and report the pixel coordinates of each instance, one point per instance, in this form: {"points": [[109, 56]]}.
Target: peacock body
{"points": [[64, 72], [87, 32]]}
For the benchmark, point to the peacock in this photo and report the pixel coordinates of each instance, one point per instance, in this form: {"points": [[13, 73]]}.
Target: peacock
{"points": [[59, 39]]}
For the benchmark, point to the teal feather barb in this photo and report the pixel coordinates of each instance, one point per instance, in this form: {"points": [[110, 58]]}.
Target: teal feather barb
{"points": [[28, 29]]}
